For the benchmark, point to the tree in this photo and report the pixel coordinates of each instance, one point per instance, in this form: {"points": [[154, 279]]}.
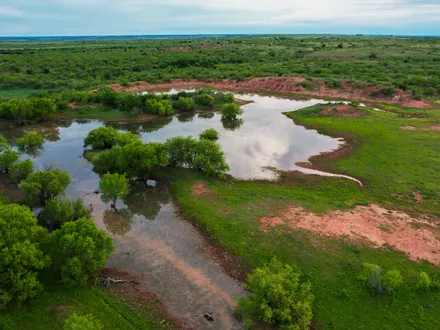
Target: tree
{"points": [[82, 322], [391, 280], [209, 134], [424, 281], [379, 280], [20, 255], [101, 138], [185, 104], [278, 297], [42, 185], [29, 141], [8, 159], [80, 251], [21, 170], [161, 107], [113, 186], [57, 211], [230, 111], [228, 97], [124, 138], [205, 99]]}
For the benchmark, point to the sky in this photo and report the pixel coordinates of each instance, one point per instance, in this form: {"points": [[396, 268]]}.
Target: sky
{"points": [[112, 17]]}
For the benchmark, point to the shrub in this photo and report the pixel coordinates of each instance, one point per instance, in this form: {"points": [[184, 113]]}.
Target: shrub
{"points": [[278, 297], [101, 138], [42, 185], [21, 170], [20, 255], [57, 211], [387, 91], [124, 138], [82, 322], [424, 281], [161, 107], [30, 140], [391, 280], [209, 134], [375, 93], [355, 103], [80, 251], [113, 186], [429, 91], [228, 98], [230, 111], [8, 159], [185, 104], [380, 281], [205, 99], [334, 84]]}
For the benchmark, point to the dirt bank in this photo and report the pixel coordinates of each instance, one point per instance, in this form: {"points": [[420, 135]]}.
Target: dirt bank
{"points": [[418, 238], [348, 91]]}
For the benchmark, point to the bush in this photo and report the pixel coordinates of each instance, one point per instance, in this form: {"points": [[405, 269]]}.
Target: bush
{"points": [[230, 111], [424, 281], [228, 98], [185, 104], [57, 212], [209, 134], [30, 140], [277, 297], [43, 185], [380, 281], [27, 111], [8, 159], [430, 91], [113, 186], [205, 99], [82, 322], [387, 91], [80, 251], [101, 138], [391, 280], [21, 170], [161, 107], [355, 103], [334, 84]]}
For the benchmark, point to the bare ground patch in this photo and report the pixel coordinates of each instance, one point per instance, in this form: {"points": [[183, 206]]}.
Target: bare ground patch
{"points": [[418, 238], [343, 111], [200, 189]]}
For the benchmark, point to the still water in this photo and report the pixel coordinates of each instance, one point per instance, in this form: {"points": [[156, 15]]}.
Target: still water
{"points": [[150, 238]]}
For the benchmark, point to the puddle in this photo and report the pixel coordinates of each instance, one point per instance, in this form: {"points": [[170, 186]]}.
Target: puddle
{"points": [[150, 238]]}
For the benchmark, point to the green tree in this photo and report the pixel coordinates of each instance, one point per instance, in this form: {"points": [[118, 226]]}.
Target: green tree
{"points": [[57, 211], [21, 170], [392, 279], [101, 138], [379, 280], [82, 322], [205, 99], [209, 134], [228, 97], [185, 104], [113, 186], [230, 111], [30, 140], [80, 251], [20, 256], [277, 297], [8, 159], [42, 185], [424, 281], [124, 138]]}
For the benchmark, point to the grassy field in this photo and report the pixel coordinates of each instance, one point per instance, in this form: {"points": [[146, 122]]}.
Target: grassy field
{"points": [[391, 162], [17, 93], [56, 303]]}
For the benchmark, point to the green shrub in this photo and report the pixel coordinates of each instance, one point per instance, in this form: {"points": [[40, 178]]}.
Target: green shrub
{"points": [[387, 91], [380, 281], [228, 98], [205, 99], [113, 186], [375, 93], [355, 103], [429, 91], [424, 281], [101, 138], [57, 211], [185, 104], [30, 140], [82, 322], [278, 297], [8, 159], [334, 84], [391, 280], [230, 111], [21, 170], [209, 134], [161, 107]]}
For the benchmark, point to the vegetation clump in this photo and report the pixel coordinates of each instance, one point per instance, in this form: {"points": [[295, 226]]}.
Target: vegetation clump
{"points": [[113, 186], [58, 211], [231, 111], [82, 322], [30, 140], [381, 281], [209, 134]]}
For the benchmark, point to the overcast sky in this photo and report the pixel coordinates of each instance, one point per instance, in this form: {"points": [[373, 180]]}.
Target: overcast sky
{"points": [[114, 17]]}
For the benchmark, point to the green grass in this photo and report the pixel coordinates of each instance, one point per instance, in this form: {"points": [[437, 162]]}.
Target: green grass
{"points": [[100, 112], [391, 162], [56, 303], [17, 93]]}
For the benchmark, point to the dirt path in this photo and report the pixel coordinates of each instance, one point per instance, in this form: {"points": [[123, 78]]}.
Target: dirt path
{"points": [[418, 238], [284, 85]]}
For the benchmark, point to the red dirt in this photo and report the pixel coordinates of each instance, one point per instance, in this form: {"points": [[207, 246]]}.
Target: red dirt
{"points": [[418, 238], [433, 128], [428, 128], [200, 189], [138, 295], [343, 111], [417, 196], [73, 105], [283, 85]]}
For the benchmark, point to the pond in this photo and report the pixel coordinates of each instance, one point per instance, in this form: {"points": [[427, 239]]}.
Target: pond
{"points": [[151, 240]]}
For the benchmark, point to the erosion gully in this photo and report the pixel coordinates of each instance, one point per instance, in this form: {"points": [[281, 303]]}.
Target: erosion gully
{"points": [[152, 241]]}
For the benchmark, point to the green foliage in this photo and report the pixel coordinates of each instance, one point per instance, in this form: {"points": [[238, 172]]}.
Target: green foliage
{"points": [[29, 141], [392, 279], [101, 138], [57, 211], [381, 281], [209, 134], [124, 138], [8, 158], [355, 103], [424, 282], [80, 251], [113, 186], [205, 99], [278, 296], [26, 111], [228, 98], [20, 256], [42, 185], [387, 91], [82, 322], [21, 170], [230, 111], [161, 107], [185, 104]]}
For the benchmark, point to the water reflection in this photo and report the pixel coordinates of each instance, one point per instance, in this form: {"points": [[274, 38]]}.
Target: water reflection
{"points": [[232, 124], [117, 221]]}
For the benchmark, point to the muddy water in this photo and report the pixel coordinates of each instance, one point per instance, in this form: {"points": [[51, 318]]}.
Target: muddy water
{"points": [[150, 238]]}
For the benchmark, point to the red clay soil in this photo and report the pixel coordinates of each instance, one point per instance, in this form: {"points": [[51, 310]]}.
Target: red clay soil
{"points": [[435, 127], [137, 296], [418, 238], [283, 85], [200, 189], [343, 111]]}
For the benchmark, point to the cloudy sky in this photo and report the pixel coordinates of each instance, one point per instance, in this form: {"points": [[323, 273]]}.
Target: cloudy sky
{"points": [[112, 17]]}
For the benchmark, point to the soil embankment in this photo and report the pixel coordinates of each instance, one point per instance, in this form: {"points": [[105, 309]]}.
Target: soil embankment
{"points": [[348, 91]]}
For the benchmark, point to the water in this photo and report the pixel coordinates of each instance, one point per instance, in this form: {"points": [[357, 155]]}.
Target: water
{"points": [[151, 240]]}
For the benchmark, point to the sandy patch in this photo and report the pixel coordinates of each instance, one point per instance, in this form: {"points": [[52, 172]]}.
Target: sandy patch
{"points": [[417, 196], [433, 128], [408, 128], [418, 238], [200, 189], [343, 111]]}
